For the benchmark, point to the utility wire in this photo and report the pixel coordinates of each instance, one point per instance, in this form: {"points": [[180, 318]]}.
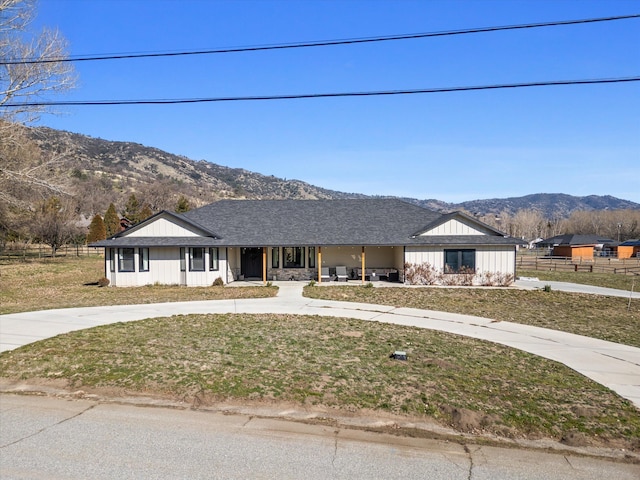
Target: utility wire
{"points": [[321, 95], [320, 43]]}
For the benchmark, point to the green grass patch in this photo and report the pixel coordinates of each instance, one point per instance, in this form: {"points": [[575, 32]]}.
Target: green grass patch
{"points": [[607, 318], [338, 363]]}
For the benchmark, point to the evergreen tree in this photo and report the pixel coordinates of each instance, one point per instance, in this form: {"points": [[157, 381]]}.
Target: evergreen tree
{"points": [[145, 212], [182, 205], [132, 209], [97, 230], [111, 221]]}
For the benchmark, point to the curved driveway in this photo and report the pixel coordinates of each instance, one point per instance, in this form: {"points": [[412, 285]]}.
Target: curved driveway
{"points": [[610, 364]]}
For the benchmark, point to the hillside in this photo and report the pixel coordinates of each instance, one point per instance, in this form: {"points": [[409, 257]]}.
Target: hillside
{"points": [[101, 171]]}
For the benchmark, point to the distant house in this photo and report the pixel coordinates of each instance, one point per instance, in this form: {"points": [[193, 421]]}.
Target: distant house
{"points": [[294, 239], [577, 247], [629, 249]]}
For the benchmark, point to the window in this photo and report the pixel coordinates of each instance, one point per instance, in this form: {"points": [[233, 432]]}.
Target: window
{"points": [[275, 257], [143, 259], [196, 259], [459, 261], [126, 260], [293, 257], [183, 263], [311, 263], [112, 260], [213, 258]]}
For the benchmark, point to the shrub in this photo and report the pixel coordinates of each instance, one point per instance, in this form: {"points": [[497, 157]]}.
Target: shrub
{"points": [[463, 277], [312, 283], [103, 282], [269, 284], [421, 274], [218, 282], [368, 285]]}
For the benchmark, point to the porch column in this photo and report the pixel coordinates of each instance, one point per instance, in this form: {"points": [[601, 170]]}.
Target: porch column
{"points": [[363, 265], [264, 265], [319, 263]]}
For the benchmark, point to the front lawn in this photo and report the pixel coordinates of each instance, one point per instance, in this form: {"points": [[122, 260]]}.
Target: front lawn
{"points": [[321, 363], [62, 283], [607, 318]]}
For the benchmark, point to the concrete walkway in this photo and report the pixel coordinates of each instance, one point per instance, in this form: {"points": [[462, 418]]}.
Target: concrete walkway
{"points": [[610, 364], [534, 283]]}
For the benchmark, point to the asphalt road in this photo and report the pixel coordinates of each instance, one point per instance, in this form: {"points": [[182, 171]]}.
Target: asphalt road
{"points": [[50, 438]]}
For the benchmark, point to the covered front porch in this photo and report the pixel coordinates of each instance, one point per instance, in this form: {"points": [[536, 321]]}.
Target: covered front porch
{"points": [[307, 263]]}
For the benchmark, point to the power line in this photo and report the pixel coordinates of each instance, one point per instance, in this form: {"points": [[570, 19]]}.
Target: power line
{"points": [[320, 43], [322, 95]]}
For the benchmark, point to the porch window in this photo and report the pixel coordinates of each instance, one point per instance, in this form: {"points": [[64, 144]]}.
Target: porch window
{"points": [[293, 257], [126, 260], [143, 259], [183, 263], [311, 262], [460, 261], [213, 258], [275, 257], [196, 259], [112, 260]]}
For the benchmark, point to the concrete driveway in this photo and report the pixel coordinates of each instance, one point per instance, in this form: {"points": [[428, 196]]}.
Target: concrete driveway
{"points": [[610, 364]]}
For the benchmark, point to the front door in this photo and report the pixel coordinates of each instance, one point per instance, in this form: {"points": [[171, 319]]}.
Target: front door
{"points": [[251, 262]]}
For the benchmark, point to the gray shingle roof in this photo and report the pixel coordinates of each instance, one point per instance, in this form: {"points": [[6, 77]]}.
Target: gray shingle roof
{"points": [[158, 242], [318, 222], [257, 223], [571, 239]]}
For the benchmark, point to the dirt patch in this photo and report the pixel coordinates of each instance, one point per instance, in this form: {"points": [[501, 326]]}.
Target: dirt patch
{"points": [[470, 421], [352, 334]]}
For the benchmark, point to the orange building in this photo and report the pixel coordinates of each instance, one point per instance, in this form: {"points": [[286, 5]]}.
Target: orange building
{"points": [[576, 247], [629, 249]]}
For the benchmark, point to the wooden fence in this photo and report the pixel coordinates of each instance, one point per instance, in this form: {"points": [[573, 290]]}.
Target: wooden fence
{"points": [[625, 266], [31, 251]]}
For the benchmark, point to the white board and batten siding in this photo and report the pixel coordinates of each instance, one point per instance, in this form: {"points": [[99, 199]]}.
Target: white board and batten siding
{"points": [[498, 259], [164, 269], [163, 227], [455, 227]]}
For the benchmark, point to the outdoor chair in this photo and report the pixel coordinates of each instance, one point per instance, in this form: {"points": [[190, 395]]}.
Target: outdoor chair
{"points": [[341, 273], [324, 275]]}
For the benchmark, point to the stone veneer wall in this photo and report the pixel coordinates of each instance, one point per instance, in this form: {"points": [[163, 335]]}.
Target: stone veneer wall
{"points": [[297, 274]]}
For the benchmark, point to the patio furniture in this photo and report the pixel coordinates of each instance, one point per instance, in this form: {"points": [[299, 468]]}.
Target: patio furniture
{"points": [[341, 273], [324, 275]]}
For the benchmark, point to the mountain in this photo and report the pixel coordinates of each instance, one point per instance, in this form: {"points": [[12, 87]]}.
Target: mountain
{"points": [[551, 205], [101, 171]]}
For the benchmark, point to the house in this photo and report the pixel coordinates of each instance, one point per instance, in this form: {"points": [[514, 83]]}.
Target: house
{"points": [[576, 247], [629, 249], [291, 239]]}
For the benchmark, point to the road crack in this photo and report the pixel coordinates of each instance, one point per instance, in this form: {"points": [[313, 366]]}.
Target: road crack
{"points": [[44, 429], [335, 449], [470, 456]]}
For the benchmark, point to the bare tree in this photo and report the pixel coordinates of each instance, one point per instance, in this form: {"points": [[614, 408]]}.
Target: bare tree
{"points": [[29, 69], [528, 224], [54, 223], [25, 173]]}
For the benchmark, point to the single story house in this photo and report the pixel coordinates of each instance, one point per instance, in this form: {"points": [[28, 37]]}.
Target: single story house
{"points": [[576, 247], [302, 240]]}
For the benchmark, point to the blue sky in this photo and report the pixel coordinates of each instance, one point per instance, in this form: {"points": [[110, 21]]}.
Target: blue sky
{"points": [[578, 140]]}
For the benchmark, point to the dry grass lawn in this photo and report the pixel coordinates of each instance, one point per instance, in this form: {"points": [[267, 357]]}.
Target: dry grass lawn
{"points": [[60, 283], [607, 318], [338, 363]]}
